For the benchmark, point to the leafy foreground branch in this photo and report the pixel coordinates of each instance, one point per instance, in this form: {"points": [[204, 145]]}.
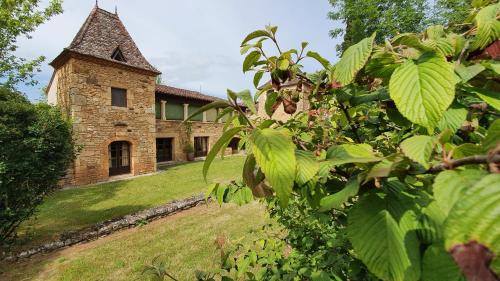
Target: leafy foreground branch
{"points": [[392, 172]]}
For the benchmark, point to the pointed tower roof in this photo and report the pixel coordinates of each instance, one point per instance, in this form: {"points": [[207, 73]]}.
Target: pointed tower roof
{"points": [[102, 36]]}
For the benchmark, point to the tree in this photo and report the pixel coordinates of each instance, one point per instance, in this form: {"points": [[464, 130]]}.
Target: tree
{"points": [[396, 165], [20, 18], [37, 148], [387, 18]]}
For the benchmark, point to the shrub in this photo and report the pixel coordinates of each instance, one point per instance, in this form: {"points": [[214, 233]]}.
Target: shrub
{"points": [[399, 153], [36, 148]]}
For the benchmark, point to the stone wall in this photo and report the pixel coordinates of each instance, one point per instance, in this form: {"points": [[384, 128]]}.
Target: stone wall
{"points": [[177, 131], [280, 114], [84, 92]]}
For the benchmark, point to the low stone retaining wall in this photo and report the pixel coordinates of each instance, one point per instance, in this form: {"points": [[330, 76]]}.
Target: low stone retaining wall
{"points": [[107, 227]]}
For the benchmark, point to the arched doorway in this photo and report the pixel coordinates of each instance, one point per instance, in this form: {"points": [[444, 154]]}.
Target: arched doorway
{"points": [[119, 158]]}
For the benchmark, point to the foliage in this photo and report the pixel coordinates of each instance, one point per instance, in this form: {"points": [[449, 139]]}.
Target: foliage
{"points": [[37, 148], [386, 18], [387, 125], [389, 18], [20, 18]]}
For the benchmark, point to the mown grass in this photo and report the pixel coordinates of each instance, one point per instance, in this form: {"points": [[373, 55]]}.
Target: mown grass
{"points": [[185, 241], [69, 210]]}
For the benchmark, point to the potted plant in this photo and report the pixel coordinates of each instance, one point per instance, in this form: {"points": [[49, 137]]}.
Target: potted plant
{"points": [[189, 150]]}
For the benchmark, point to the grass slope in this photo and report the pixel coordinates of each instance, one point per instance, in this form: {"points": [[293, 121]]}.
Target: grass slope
{"points": [[185, 241], [73, 209]]}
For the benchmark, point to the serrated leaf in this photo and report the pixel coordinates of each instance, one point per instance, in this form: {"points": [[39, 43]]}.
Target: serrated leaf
{"points": [[466, 149], [283, 64], [435, 32], [275, 154], [466, 73], [449, 186], [381, 169], [353, 60], [337, 200], [431, 222], [492, 138], [488, 27], [246, 98], [491, 97], [381, 230], [324, 62], [220, 144], [307, 166], [250, 60], [255, 34], [351, 153], [475, 216], [453, 118], [419, 149], [410, 40], [424, 89], [438, 265]]}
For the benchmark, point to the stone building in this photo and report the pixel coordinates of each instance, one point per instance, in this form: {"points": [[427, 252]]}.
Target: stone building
{"points": [[123, 122]]}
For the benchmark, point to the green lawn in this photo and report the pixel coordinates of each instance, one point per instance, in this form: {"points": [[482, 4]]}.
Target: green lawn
{"points": [[73, 209], [185, 241]]}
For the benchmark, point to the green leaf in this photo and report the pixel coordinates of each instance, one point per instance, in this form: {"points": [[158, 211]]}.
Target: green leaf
{"points": [[255, 34], [468, 72], [381, 229], [423, 89], [465, 150], [248, 171], [351, 153], [220, 144], [449, 186], [250, 60], [475, 216], [435, 32], [246, 98], [419, 149], [492, 138], [431, 222], [307, 166], [324, 62], [489, 96], [215, 104], [283, 64], [210, 190], [381, 169], [353, 60], [245, 48], [270, 101], [488, 27], [257, 77], [438, 265], [453, 118], [275, 154], [409, 40], [337, 200]]}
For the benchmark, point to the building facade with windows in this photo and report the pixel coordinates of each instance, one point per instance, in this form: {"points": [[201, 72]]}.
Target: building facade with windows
{"points": [[123, 122]]}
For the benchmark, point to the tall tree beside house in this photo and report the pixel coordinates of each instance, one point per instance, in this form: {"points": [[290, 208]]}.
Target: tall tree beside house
{"points": [[364, 17], [35, 139], [20, 18], [388, 18]]}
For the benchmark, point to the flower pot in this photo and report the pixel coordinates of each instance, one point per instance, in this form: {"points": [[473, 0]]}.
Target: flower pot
{"points": [[190, 156]]}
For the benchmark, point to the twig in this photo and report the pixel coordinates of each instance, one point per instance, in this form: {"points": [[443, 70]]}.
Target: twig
{"points": [[353, 125], [476, 159]]}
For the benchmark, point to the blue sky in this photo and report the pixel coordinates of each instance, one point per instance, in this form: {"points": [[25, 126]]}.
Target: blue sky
{"points": [[195, 43]]}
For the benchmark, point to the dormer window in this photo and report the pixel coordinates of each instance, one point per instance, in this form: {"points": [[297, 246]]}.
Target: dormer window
{"points": [[118, 55]]}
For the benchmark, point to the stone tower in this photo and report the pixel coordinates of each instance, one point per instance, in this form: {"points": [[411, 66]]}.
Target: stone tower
{"points": [[107, 87]]}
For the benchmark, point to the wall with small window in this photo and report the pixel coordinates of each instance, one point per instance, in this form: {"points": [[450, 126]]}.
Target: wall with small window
{"points": [[178, 109], [118, 97]]}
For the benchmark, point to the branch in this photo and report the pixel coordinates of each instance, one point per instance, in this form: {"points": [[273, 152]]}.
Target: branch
{"points": [[476, 159]]}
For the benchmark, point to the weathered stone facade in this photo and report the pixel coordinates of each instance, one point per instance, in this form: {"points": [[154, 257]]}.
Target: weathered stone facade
{"points": [[85, 94], [108, 89]]}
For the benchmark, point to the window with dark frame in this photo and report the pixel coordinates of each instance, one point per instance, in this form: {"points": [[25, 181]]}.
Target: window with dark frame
{"points": [[118, 55], [118, 97], [200, 146], [164, 149]]}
